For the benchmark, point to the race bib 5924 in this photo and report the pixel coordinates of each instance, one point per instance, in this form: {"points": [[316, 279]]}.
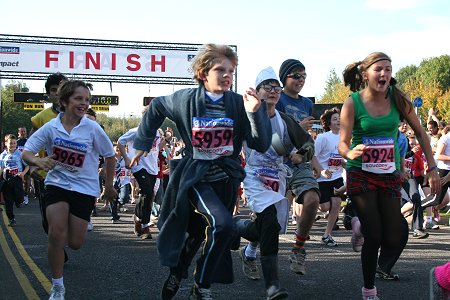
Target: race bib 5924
{"points": [[380, 158]]}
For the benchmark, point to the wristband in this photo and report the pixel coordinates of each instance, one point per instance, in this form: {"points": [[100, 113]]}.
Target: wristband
{"points": [[431, 169]]}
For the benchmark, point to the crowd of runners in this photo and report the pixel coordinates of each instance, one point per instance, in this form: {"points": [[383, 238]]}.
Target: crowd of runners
{"points": [[373, 160]]}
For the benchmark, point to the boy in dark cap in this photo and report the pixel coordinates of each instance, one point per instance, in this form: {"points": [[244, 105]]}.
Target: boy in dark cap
{"points": [[302, 184]]}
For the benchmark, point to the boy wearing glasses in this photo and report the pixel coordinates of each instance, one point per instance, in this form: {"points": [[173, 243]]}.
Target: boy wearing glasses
{"points": [[265, 187], [302, 184]]}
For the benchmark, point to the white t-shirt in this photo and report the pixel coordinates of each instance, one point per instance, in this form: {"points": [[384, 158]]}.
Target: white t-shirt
{"points": [[326, 152], [76, 154], [150, 162], [444, 165]]}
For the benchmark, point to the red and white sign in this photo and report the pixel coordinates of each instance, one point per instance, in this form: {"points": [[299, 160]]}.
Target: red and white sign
{"points": [[89, 60]]}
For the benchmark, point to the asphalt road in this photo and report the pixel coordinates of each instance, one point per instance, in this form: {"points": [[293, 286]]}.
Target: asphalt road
{"points": [[115, 264]]}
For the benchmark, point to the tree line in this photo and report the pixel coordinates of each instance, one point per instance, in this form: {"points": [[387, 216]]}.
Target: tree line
{"points": [[14, 116], [430, 80]]}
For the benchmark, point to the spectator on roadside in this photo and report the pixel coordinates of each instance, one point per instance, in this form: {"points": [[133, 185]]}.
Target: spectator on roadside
{"points": [[21, 137]]}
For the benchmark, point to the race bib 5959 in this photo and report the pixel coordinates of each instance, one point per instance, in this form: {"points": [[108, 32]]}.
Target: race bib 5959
{"points": [[212, 137]]}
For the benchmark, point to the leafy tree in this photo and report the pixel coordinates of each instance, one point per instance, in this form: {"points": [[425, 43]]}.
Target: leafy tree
{"points": [[444, 107], [12, 114], [335, 91], [332, 80], [430, 94], [406, 73], [435, 70]]}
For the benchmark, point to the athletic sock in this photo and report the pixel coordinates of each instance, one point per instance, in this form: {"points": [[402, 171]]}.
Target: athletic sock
{"points": [[250, 250], [369, 292], [299, 243], [58, 281]]}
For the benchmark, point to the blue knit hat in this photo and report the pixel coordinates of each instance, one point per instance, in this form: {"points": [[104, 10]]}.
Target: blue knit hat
{"points": [[287, 66]]}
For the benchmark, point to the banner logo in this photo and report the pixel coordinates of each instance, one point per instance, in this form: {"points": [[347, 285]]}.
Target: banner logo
{"points": [[9, 50]]}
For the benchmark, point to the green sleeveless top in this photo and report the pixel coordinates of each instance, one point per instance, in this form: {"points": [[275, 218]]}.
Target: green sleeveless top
{"points": [[368, 126]]}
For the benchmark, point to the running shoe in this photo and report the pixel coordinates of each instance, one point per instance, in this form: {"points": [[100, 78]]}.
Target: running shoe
{"points": [[137, 226], [329, 241], [436, 291], [90, 226], [297, 261], [12, 222], [386, 276], [420, 234], [25, 200], [57, 292], [198, 293], [145, 234], [170, 287], [431, 225], [249, 266], [276, 293]]}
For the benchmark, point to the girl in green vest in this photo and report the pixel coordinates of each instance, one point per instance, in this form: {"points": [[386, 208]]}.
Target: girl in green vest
{"points": [[369, 121]]}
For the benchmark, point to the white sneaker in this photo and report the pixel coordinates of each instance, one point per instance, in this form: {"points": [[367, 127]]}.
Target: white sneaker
{"points": [[57, 292], [90, 226], [25, 200], [431, 225]]}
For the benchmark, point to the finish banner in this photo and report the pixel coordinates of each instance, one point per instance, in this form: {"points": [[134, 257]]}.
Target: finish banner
{"points": [[95, 60]]}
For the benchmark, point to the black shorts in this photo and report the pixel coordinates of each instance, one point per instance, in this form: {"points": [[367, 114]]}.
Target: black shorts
{"points": [[80, 205], [327, 189]]}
